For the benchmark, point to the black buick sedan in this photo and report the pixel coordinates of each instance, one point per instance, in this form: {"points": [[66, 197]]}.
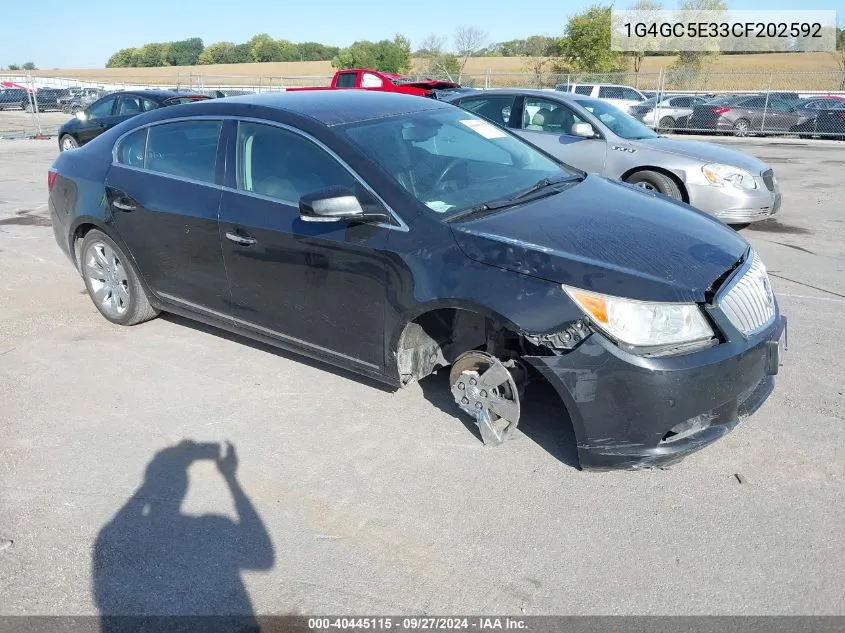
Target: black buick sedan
{"points": [[393, 236], [115, 108]]}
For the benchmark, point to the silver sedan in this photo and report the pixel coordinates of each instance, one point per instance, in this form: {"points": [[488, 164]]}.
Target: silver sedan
{"points": [[597, 137]]}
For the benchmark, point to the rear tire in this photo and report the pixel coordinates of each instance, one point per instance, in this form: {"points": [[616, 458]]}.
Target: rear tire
{"points": [[112, 281], [742, 127], [68, 142], [655, 181], [739, 227], [667, 124]]}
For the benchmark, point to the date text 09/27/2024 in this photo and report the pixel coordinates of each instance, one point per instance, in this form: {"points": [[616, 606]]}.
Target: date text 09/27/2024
{"points": [[417, 623]]}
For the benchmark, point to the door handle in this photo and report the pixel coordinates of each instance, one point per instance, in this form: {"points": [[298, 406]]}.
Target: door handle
{"points": [[123, 206], [241, 239]]}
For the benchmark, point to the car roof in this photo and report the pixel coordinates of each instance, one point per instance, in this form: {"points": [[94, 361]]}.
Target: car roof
{"points": [[533, 92], [336, 107]]}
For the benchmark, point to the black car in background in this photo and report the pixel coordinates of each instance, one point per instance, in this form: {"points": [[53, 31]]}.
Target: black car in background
{"points": [[395, 236], [45, 99], [12, 98], [115, 108], [826, 122]]}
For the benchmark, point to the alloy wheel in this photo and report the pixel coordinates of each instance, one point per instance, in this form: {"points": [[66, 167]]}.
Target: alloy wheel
{"points": [[107, 279]]}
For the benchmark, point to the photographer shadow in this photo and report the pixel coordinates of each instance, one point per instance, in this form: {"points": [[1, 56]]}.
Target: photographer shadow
{"points": [[152, 561]]}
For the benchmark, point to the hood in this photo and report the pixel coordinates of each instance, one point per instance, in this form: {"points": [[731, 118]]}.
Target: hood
{"points": [[608, 237], [430, 84], [703, 151]]}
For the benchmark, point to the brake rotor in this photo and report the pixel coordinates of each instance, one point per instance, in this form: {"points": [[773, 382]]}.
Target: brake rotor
{"points": [[484, 388]]}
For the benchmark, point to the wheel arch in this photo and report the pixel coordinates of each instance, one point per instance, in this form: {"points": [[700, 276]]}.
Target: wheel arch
{"points": [[434, 333], [661, 170]]}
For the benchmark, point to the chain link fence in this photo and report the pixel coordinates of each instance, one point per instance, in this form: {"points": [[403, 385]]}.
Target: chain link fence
{"points": [[806, 104]]}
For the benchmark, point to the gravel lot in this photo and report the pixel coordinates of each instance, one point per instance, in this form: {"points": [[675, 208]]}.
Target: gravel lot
{"points": [[19, 124], [370, 501]]}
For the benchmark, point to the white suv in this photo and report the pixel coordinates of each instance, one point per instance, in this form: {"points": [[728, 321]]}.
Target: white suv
{"points": [[623, 97]]}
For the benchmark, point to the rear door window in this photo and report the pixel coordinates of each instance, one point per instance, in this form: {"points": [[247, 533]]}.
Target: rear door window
{"points": [[584, 90], [495, 108], [186, 149], [128, 105]]}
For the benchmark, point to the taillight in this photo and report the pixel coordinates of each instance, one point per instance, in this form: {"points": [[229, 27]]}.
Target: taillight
{"points": [[721, 111], [51, 179]]}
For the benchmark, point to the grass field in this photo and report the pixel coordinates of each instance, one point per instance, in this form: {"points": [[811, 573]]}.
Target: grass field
{"points": [[274, 71]]}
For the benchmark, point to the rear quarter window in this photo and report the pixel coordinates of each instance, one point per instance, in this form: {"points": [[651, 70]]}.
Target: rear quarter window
{"points": [[132, 148]]}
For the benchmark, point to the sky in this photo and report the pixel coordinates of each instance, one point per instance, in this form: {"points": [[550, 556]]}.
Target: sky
{"points": [[67, 34]]}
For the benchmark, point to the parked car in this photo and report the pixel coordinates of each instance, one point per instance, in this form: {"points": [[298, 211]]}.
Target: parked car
{"points": [[45, 99], [664, 113], [368, 79], [394, 236], [78, 99], [115, 108], [826, 123], [12, 98], [743, 115], [623, 97], [595, 136]]}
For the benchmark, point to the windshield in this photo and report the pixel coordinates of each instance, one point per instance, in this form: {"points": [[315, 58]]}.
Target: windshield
{"points": [[451, 160], [620, 123]]}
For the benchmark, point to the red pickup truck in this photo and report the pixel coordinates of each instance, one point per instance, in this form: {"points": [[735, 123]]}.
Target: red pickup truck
{"points": [[367, 79]]}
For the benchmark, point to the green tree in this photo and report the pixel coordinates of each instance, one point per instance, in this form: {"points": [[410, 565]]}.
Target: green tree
{"points": [[218, 53], [242, 53], [185, 52], [124, 58], [264, 48], [360, 54], [28, 66], [153, 54], [14, 67], [394, 56], [585, 45], [287, 51]]}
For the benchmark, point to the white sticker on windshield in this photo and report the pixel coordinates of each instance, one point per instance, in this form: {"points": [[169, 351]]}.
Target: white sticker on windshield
{"points": [[439, 206], [487, 130]]}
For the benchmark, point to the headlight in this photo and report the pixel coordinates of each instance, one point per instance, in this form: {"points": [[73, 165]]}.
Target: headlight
{"points": [[727, 176], [643, 323]]}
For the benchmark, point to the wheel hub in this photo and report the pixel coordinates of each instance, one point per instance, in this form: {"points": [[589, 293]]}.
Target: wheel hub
{"points": [[484, 388]]}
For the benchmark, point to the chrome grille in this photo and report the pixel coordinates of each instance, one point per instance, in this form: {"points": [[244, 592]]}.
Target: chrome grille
{"points": [[769, 179], [748, 300]]}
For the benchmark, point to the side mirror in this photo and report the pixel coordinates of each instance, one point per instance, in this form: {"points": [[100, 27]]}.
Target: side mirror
{"points": [[81, 115], [584, 130], [330, 205]]}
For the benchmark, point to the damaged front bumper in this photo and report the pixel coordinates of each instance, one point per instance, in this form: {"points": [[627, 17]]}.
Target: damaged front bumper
{"points": [[631, 411]]}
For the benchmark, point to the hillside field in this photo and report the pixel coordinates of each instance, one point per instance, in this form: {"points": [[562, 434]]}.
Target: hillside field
{"points": [[273, 72]]}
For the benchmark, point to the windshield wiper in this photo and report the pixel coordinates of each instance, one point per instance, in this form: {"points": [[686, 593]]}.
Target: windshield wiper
{"points": [[519, 198], [543, 183], [484, 206]]}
